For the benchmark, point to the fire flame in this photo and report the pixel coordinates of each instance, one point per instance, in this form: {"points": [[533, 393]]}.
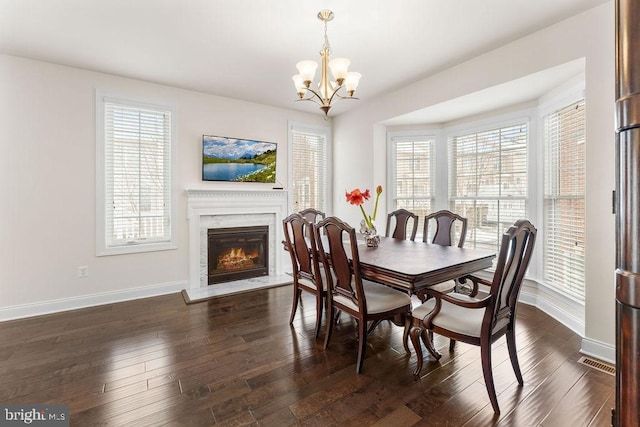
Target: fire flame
{"points": [[236, 259]]}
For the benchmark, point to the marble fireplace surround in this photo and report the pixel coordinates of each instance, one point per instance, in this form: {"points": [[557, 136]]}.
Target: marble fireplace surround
{"points": [[208, 208]]}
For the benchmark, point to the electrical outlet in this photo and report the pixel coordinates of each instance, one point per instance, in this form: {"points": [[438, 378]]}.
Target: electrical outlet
{"points": [[83, 271]]}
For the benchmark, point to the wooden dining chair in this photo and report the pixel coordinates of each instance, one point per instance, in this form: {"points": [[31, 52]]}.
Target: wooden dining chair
{"points": [[481, 320], [348, 292], [402, 219], [300, 242], [445, 228], [312, 215]]}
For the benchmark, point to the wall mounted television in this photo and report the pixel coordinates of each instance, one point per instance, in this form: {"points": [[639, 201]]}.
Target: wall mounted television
{"points": [[238, 160]]}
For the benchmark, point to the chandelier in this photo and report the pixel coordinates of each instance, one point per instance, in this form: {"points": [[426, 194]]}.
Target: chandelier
{"points": [[327, 90]]}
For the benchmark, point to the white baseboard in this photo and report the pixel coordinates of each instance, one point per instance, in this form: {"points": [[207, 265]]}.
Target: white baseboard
{"points": [[599, 350], [548, 306], [565, 310], [74, 303]]}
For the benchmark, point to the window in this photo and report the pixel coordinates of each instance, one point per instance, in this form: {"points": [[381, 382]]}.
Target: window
{"points": [[412, 174], [488, 182], [309, 149], [564, 198], [134, 177]]}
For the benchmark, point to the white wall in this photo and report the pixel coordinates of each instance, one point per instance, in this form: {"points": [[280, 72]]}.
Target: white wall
{"points": [[590, 35], [47, 183]]}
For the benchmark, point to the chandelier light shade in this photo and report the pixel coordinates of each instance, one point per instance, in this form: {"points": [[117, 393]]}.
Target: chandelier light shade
{"points": [[327, 89]]}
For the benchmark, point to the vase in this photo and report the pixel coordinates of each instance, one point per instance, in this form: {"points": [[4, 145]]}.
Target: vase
{"points": [[370, 234]]}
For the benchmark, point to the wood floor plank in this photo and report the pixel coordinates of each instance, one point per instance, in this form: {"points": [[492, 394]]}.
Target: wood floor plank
{"points": [[315, 402], [603, 417], [236, 361], [168, 418], [544, 399], [536, 373], [402, 416], [581, 403]]}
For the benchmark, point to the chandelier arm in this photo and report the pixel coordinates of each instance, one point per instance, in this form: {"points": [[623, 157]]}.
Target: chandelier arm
{"points": [[344, 97], [312, 97], [335, 93]]}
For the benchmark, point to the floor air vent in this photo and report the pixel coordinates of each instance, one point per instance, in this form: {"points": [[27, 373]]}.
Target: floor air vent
{"points": [[597, 364]]}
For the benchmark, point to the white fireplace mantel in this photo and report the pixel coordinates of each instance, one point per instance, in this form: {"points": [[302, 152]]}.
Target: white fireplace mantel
{"points": [[232, 208]]}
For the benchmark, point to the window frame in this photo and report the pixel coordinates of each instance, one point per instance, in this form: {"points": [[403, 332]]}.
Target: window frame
{"points": [[102, 246], [566, 98], [294, 127], [412, 136], [494, 123]]}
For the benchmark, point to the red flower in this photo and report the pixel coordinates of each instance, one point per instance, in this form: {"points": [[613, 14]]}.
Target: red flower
{"points": [[356, 197]]}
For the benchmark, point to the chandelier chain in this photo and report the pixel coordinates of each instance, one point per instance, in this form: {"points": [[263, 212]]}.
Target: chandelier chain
{"points": [[326, 44]]}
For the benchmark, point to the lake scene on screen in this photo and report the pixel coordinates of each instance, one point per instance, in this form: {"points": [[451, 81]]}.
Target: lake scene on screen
{"points": [[231, 159], [228, 171]]}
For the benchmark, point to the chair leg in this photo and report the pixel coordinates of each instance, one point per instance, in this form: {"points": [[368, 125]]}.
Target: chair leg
{"points": [[336, 316], [428, 342], [362, 344], [319, 299], [373, 325], [415, 334], [513, 355], [405, 332], [332, 314], [485, 351], [452, 344], [294, 306]]}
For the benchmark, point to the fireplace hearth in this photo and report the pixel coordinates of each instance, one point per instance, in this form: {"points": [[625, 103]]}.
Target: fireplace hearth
{"points": [[237, 253]]}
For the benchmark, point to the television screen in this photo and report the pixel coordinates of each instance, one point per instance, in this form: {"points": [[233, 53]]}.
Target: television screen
{"points": [[230, 159]]}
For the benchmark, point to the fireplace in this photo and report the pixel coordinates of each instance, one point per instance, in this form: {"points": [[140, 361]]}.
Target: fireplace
{"points": [[237, 253], [227, 208]]}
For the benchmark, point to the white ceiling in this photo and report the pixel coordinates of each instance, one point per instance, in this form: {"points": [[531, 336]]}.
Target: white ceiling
{"points": [[247, 49], [531, 87]]}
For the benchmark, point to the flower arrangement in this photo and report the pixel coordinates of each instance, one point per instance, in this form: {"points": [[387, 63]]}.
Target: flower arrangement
{"points": [[357, 197]]}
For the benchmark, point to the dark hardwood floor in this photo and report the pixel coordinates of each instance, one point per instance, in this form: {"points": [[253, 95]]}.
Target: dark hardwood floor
{"points": [[236, 361]]}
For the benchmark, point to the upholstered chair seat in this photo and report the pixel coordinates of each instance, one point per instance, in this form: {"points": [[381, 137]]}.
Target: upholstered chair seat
{"points": [[310, 283], [447, 286], [457, 319], [380, 298]]}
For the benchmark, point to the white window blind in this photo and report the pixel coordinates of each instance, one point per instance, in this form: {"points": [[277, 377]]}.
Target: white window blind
{"points": [[137, 175], [309, 168], [488, 182], [412, 176], [564, 198]]}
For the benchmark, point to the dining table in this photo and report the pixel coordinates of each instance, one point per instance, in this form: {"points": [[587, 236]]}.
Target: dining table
{"points": [[414, 266]]}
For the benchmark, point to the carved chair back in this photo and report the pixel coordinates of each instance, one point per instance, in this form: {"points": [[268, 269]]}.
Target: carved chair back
{"points": [[403, 219], [516, 249], [343, 275], [444, 225]]}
